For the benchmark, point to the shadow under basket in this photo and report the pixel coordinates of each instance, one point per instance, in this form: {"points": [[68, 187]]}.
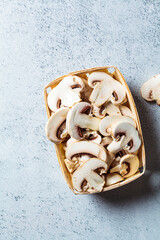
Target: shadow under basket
{"points": [[116, 74]]}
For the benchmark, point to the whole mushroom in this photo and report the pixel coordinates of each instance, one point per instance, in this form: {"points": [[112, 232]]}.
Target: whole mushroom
{"points": [[66, 93], [105, 89]]}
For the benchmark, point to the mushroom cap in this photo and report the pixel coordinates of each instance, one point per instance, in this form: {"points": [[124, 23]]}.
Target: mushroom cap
{"points": [[87, 172], [86, 147], [78, 119], [150, 90], [127, 133], [54, 124], [113, 178], [105, 89], [128, 166], [109, 121], [66, 93]]}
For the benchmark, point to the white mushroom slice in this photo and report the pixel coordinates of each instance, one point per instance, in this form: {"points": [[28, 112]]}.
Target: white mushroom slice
{"points": [[106, 109], [125, 136], [55, 127], [110, 156], [111, 109], [107, 122], [87, 173], [125, 111], [113, 178], [92, 136], [150, 90], [86, 148], [106, 89], [70, 141], [78, 119], [66, 93], [128, 166]]}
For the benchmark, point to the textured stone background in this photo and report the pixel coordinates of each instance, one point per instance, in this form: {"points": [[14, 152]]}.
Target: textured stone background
{"points": [[42, 40]]}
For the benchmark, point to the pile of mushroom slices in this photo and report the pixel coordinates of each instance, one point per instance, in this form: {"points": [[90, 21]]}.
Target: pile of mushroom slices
{"points": [[98, 133]]}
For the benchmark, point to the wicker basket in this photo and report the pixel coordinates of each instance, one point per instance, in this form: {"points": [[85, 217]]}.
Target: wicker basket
{"points": [[116, 74]]}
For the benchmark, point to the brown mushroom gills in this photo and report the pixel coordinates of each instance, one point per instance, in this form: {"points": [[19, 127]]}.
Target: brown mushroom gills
{"points": [[115, 95], [91, 137], [76, 86], [83, 153], [58, 103], [60, 129]]}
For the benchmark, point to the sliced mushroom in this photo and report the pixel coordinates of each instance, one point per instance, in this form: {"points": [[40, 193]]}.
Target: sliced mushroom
{"points": [[128, 166], [88, 174], [56, 126], [113, 178], [66, 93], [125, 111], [70, 141], [92, 136], [110, 156], [150, 90], [86, 148], [78, 119], [106, 89], [125, 136], [107, 123], [106, 109]]}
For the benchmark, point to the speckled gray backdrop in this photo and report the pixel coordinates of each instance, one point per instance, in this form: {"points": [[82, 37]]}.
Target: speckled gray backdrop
{"points": [[40, 41]]}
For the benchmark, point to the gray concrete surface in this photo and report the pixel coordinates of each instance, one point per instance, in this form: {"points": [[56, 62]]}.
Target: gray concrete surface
{"points": [[40, 41]]}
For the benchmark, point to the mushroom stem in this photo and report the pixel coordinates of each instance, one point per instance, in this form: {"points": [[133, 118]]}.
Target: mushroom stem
{"points": [[95, 181], [86, 121], [115, 146], [122, 169]]}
